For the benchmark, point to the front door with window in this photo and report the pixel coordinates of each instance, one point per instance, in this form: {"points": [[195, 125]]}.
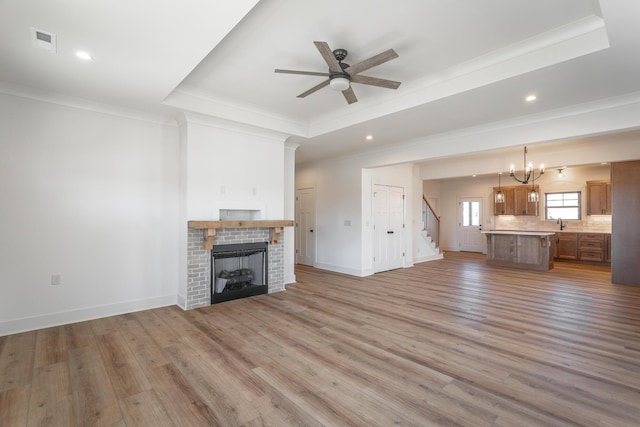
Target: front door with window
{"points": [[470, 238]]}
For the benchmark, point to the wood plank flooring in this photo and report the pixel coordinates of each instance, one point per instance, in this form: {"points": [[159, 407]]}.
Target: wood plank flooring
{"points": [[445, 343]]}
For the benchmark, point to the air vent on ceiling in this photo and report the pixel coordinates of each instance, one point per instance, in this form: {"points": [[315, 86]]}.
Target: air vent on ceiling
{"points": [[43, 40]]}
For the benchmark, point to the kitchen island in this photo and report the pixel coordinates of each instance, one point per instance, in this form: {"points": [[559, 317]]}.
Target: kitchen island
{"points": [[529, 250]]}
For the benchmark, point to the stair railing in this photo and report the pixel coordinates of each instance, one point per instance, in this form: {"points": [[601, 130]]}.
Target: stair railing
{"points": [[431, 221]]}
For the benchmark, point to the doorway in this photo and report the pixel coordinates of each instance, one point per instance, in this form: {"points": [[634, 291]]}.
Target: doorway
{"points": [[306, 226], [470, 238], [388, 227]]}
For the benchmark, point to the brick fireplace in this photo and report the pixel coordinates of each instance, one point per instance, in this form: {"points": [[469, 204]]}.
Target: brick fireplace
{"points": [[203, 235]]}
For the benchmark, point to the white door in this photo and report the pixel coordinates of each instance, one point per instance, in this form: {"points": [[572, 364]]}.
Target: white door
{"points": [[470, 238], [388, 224], [305, 226]]}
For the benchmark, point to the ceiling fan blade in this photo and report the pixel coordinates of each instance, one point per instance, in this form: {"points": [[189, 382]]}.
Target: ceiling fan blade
{"points": [[306, 73], [327, 54], [378, 59], [349, 95], [314, 89], [374, 81]]}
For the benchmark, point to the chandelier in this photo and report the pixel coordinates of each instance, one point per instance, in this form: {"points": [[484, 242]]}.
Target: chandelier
{"points": [[527, 171]]}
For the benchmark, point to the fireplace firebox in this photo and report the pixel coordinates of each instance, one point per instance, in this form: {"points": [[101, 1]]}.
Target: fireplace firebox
{"points": [[239, 271]]}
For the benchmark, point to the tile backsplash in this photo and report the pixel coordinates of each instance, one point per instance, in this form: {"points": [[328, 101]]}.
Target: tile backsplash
{"points": [[593, 223]]}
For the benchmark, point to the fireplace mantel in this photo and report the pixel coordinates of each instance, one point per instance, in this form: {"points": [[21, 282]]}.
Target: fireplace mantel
{"points": [[209, 228]]}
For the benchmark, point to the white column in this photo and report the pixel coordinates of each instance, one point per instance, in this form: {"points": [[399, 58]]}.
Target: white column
{"points": [[182, 230], [289, 210]]}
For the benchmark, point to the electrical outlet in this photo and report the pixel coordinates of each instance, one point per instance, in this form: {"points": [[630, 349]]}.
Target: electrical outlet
{"points": [[55, 279]]}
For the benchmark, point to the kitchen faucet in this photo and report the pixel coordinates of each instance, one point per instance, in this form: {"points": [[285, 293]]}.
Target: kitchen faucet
{"points": [[562, 226]]}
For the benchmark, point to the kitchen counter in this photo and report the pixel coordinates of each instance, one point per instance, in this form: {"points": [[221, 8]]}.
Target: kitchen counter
{"points": [[535, 232], [529, 250], [520, 232]]}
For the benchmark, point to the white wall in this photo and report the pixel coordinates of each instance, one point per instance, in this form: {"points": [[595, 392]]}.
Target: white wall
{"points": [[431, 190], [343, 196], [92, 197], [338, 199], [233, 169]]}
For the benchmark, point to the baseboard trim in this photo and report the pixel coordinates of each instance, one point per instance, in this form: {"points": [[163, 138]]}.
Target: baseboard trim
{"points": [[427, 258], [181, 302], [343, 270], [56, 319]]}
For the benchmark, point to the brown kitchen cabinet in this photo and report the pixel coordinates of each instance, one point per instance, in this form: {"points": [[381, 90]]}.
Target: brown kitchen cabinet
{"points": [[521, 206], [506, 207], [598, 198], [515, 201], [584, 247], [567, 246], [591, 247]]}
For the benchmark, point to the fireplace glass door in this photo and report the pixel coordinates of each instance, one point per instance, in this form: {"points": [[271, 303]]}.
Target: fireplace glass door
{"points": [[238, 271]]}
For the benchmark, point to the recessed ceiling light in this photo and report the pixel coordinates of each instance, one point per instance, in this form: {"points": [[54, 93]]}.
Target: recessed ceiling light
{"points": [[474, 175], [83, 55], [603, 163], [369, 137], [531, 98]]}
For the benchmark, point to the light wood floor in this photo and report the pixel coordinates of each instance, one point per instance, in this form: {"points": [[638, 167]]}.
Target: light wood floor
{"points": [[448, 342]]}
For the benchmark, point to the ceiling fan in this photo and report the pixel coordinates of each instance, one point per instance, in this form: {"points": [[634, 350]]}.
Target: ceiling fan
{"points": [[341, 75]]}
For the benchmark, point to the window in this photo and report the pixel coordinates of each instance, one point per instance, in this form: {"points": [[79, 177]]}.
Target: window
{"points": [[471, 214], [562, 205]]}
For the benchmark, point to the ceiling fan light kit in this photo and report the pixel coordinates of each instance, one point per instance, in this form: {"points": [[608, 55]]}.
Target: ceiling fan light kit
{"points": [[339, 82], [341, 75]]}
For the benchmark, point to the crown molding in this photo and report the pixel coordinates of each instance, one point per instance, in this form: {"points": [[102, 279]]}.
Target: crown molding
{"points": [[85, 104], [229, 125], [197, 101]]}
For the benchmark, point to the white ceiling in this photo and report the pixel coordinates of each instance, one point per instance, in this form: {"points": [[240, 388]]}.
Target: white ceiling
{"points": [[461, 63]]}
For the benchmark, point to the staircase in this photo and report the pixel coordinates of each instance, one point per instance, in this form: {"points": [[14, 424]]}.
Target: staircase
{"points": [[428, 243]]}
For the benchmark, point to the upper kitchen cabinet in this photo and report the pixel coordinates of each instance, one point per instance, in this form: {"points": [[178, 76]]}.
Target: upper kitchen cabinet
{"points": [[521, 204], [598, 198], [515, 201], [506, 207]]}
